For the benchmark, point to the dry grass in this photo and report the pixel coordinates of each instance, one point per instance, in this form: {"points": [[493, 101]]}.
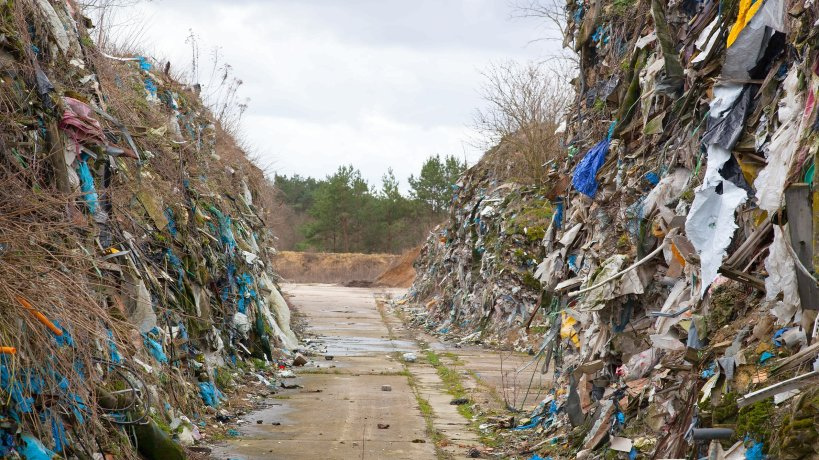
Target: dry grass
{"points": [[43, 263], [54, 285]]}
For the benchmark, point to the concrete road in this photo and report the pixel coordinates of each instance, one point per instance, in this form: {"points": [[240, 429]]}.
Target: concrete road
{"points": [[337, 412]]}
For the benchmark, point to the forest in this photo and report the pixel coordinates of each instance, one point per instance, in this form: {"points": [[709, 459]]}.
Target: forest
{"points": [[344, 213]]}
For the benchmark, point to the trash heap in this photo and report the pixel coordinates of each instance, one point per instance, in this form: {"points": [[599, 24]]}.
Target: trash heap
{"points": [[475, 274], [679, 287], [134, 251]]}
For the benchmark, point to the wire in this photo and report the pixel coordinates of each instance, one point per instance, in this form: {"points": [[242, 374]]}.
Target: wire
{"points": [[123, 370]]}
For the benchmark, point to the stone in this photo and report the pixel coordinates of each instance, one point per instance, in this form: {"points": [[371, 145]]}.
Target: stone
{"points": [[386, 387], [299, 360]]}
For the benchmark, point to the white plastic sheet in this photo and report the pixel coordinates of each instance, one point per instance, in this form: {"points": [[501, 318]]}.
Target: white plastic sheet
{"points": [[717, 157], [667, 341], [241, 322], [710, 226], [781, 278], [279, 318], [704, 43], [667, 190], [58, 30], [596, 298], [770, 183], [142, 313]]}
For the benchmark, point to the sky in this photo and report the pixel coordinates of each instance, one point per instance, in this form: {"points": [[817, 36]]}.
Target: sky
{"points": [[372, 83]]}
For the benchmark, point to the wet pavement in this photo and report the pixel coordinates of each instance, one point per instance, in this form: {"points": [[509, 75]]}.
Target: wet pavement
{"points": [[340, 421], [336, 415]]}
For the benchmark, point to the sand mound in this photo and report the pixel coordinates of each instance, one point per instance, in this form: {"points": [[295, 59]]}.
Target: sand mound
{"points": [[402, 273], [334, 268]]}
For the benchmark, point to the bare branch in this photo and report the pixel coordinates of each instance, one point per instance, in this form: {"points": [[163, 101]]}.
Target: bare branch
{"points": [[525, 105]]}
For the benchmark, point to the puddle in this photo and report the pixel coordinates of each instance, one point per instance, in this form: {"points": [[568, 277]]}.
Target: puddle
{"points": [[275, 413], [357, 346]]}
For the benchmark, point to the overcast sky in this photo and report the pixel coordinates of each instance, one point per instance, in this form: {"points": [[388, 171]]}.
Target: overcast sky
{"points": [[374, 83]]}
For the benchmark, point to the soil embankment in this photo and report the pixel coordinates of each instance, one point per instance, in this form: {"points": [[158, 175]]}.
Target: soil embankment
{"points": [[402, 272], [332, 268]]}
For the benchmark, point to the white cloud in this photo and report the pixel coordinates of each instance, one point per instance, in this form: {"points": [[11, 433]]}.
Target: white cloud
{"points": [[373, 83]]}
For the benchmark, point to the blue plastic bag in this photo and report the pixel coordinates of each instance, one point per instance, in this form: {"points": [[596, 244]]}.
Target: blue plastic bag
{"points": [[583, 178], [34, 449], [755, 452], [155, 348], [87, 185], [210, 394]]}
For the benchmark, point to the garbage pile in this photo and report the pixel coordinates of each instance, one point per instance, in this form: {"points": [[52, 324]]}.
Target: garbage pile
{"points": [[475, 275], [679, 281], [134, 253]]}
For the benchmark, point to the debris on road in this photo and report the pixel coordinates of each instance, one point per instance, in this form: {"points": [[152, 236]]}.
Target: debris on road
{"points": [[386, 387], [299, 360]]}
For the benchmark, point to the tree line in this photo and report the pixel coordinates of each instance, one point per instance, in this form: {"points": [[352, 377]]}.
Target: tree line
{"points": [[344, 213]]}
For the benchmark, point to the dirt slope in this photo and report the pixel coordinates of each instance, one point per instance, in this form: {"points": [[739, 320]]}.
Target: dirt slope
{"points": [[314, 267], [402, 273]]}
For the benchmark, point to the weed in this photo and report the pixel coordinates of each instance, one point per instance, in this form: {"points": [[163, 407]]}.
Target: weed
{"points": [[320, 371], [222, 378], [426, 411]]}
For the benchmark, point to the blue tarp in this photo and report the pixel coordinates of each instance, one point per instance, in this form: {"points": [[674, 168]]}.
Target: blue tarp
{"points": [[65, 339], [583, 178], [143, 63], [535, 421], [15, 388], [177, 265], [58, 432], [6, 443]]}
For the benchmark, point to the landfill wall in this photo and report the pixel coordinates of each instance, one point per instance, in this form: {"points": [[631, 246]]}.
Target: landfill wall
{"points": [[476, 273], [135, 265], [677, 286]]}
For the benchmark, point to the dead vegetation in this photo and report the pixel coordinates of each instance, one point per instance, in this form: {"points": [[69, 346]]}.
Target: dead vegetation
{"points": [[129, 221]]}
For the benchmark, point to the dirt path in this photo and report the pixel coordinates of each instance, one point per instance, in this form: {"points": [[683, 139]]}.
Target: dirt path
{"points": [[337, 412]]}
